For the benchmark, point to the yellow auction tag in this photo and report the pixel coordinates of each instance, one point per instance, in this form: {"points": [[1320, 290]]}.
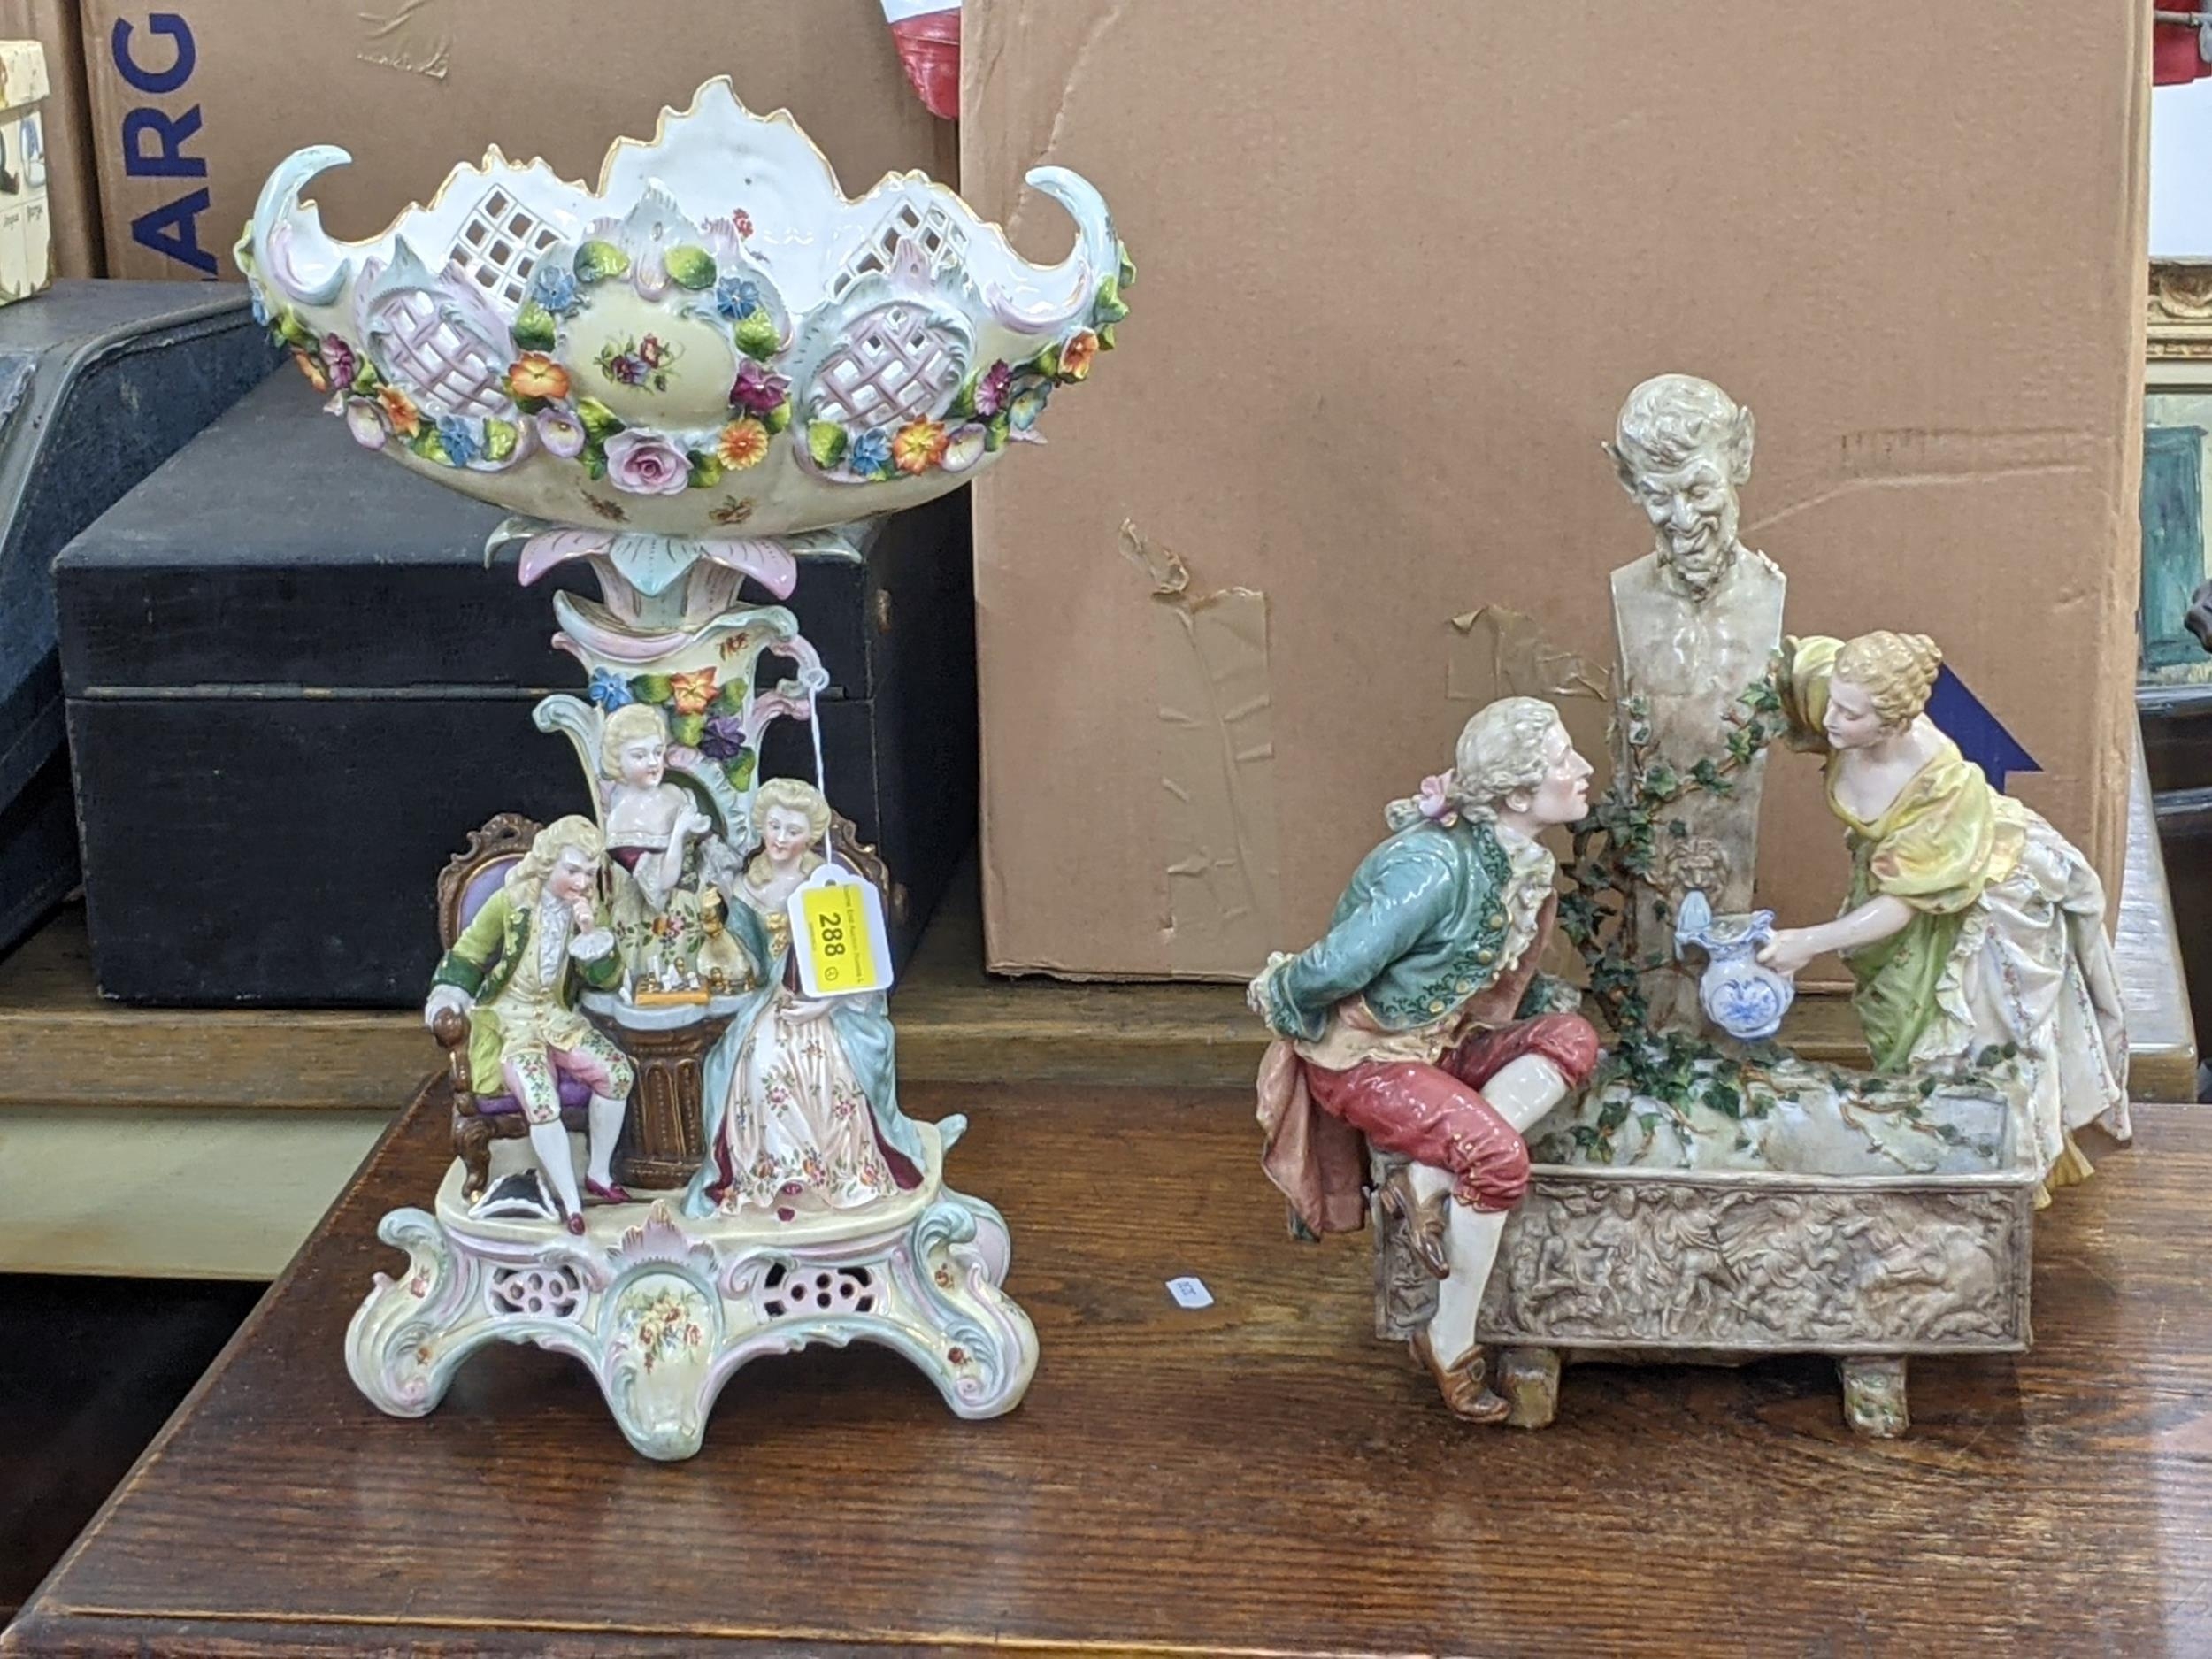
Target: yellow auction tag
{"points": [[838, 934]]}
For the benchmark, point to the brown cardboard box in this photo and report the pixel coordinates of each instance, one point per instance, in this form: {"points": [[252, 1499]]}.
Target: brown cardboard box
{"points": [[195, 102], [73, 204], [1399, 263]]}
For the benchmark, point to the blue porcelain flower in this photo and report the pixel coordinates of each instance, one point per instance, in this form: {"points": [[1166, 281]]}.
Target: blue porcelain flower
{"points": [[609, 690], [553, 285], [870, 455], [459, 439], [260, 306], [736, 298]]}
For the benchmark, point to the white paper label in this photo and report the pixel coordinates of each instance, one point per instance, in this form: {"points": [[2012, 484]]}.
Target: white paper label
{"points": [[1190, 1293]]}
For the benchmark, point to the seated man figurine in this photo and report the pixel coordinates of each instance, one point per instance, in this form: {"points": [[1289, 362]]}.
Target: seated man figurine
{"points": [[514, 973], [1420, 1021]]}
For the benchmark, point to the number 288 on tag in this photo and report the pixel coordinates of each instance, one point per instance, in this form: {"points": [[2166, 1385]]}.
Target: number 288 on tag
{"points": [[837, 931]]}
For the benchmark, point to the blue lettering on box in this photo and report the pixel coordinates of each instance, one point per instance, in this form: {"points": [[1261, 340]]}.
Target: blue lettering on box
{"points": [[168, 160], [173, 230], [154, 81], [153, 142]]}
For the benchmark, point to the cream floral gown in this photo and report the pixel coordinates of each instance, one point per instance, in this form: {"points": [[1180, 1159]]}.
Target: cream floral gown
{"points": [[798, 1133]]}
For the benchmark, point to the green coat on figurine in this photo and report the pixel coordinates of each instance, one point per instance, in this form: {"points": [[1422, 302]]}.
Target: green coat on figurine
{"points": [[514, 973], [1421, 928], [482, 962]]}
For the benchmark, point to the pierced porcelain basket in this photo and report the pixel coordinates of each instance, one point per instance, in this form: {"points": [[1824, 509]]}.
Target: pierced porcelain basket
{"points": [[712, 360], [713, 343]]}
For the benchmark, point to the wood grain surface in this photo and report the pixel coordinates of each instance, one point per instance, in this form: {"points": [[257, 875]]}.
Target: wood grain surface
{"points": [[1258, 1478]]}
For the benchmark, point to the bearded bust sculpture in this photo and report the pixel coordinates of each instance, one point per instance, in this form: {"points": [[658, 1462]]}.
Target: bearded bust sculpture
{"points": [[1697, 619]]}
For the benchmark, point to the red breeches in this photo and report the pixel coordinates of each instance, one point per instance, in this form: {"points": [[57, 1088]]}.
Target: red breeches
{"points": [[1436, 1115]]}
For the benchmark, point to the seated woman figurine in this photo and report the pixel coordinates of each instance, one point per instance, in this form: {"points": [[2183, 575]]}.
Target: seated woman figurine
{"points": [[1970, 921], [800, 1105], [653, 826]]}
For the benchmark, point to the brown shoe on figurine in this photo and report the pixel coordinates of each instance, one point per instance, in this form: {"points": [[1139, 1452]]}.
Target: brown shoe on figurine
{"points": [[1465, 1386]]}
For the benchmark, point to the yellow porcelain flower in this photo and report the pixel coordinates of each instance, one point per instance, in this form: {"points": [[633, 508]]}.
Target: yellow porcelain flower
{"points": [[1077, 354], [743, 444], [691, 693], [918, 446], [537, 375], [311, 369], [400, 409]]}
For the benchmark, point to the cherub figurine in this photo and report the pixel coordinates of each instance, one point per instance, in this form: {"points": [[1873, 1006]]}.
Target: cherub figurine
{"points": [[1420, 1022], [1970, 921], [652, 825], [514, 971]]}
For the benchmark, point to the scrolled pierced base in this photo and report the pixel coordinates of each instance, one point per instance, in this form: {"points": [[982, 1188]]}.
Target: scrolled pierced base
{"points": [[663, 1310]]}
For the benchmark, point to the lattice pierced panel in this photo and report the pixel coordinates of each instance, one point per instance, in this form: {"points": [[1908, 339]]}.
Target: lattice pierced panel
{"points": [[895, 366], [939, 238], [499, 245], [448, 372]]}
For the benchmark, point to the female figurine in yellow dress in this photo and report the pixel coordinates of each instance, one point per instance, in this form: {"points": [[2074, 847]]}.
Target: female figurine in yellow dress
{"points": [[1971, 922]]}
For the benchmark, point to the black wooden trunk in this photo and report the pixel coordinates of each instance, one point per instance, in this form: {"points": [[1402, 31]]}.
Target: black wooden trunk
{"points": [[294, 687]]}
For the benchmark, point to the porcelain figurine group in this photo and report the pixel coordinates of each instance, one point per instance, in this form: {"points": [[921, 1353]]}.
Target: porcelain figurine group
{"points": [[1418, 1044], [713, 363], [800, 1108], [688, 376]]}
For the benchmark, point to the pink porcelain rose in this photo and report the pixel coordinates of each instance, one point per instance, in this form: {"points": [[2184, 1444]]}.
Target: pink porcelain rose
{"points": [[645, 464]]}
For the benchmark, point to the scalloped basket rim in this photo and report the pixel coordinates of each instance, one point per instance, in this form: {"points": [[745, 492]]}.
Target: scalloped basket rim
{"points": [[496, 157]]}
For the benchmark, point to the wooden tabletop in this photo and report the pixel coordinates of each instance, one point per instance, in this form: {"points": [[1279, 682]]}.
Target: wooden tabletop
{"points": [[1259, 1478]]}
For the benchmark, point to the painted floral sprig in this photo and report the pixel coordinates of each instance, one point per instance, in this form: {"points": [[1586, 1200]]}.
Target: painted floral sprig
{"points": [[639, 460]]}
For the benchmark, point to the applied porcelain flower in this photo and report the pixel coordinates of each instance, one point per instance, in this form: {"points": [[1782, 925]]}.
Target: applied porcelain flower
{"points": [[645, 464]]}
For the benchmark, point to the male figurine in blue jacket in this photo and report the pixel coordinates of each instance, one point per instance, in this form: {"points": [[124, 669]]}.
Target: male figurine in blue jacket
{"points": [[1420, 1022]]}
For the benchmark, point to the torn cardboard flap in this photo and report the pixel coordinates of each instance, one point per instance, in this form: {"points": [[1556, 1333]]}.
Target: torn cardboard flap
{"points": [[1494, 652], [416, 35], [1507, 655], [1217, 751]]}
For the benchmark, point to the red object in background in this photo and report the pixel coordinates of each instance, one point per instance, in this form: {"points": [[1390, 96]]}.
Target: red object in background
{"points": [[2174, 56], [928, 36]]}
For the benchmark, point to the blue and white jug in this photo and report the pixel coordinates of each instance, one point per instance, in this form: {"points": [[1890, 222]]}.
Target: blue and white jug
{"points": [[1742, 997]]}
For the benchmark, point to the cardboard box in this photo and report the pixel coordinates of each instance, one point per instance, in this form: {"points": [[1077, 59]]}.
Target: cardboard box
{"points": [[73, 206], [1396, 280], [194, 103], [27, 263]]}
